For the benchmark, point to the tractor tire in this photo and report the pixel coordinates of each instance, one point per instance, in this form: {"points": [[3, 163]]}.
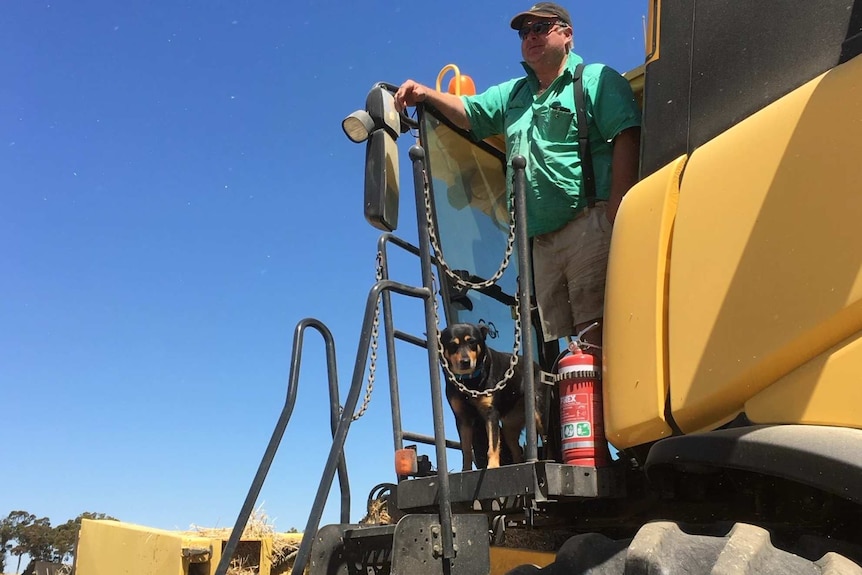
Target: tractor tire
{"points": [[662, 548]]}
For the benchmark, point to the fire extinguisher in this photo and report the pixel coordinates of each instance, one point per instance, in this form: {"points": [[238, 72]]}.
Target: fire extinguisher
{"points": [[581, 419]]}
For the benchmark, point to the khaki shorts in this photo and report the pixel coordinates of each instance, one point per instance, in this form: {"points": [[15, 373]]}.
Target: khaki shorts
{"points": [[570, 265]]}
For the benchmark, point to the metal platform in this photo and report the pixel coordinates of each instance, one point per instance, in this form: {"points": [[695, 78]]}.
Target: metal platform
{"points": [[540, 481], [414, 545]]}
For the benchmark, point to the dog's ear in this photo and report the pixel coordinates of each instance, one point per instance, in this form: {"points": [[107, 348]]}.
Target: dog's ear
{"points": [[483, 329], [446, 335]]}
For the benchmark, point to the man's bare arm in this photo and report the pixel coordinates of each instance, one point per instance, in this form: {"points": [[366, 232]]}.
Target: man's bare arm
{"points": [[410, 93], [624, 168]]}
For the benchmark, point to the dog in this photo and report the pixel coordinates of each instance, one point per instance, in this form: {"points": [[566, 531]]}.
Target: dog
{"points": [[477, 367]]}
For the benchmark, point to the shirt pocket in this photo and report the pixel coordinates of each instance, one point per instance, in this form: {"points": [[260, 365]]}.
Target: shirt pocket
{"points": [[557, 124]]}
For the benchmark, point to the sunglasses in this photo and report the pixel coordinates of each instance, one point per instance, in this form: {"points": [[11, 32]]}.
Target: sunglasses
{"points": [[538, 28]]}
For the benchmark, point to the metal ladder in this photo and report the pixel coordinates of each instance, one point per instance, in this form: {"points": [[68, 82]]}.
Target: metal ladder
{"points": [[419, 540]]}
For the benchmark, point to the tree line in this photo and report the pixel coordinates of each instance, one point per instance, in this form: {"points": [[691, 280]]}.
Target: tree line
{"points": [[22, 533]]}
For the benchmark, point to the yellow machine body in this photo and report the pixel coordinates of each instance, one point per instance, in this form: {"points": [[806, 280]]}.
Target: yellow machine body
{"points": [[735, 282]]}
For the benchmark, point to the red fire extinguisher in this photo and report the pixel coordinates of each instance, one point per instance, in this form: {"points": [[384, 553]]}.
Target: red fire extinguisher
{"points": [[581, 420]]}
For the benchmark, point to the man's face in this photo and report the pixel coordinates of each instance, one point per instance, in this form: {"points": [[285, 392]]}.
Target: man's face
{"points": [[543, 41]]}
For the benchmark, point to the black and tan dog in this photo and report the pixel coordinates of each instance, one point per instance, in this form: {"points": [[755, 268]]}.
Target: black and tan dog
{"points": [[480, 368]]}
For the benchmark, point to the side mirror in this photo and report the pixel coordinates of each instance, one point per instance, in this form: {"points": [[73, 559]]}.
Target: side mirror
{"points": [[381, 181], [379, 123]]}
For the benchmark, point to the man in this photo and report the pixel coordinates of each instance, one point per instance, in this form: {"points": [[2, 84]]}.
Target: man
{"points": [[537, 115]]}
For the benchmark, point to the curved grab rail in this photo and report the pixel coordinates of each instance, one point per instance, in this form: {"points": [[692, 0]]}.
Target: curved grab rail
{"points": [[338, 440], [278, 433]]}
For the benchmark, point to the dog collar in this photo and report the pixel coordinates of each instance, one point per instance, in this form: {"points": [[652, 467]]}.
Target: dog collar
{"points": [[463, 376]]}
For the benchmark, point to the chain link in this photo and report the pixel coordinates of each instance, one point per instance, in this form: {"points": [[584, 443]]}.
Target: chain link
{"points": [[510, 371], [438, 252], [460, 282], [375, 332]]}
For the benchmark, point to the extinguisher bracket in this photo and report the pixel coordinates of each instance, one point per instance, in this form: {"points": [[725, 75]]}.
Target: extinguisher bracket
{"points": [[593, 375]]}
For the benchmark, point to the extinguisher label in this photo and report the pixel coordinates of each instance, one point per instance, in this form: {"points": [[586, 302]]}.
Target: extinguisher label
{"points": [[579, 429], [583, 440]]}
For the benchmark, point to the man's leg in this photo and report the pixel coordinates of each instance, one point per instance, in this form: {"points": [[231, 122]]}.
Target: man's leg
{"points": [[552, 291], [586, 269]]}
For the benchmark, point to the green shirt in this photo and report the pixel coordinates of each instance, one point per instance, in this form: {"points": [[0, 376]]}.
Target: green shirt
{"points": [[544, 129]]}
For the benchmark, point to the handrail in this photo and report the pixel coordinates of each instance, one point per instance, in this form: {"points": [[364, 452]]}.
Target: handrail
{"points": [[519, 187], [417, 157], [340, 435], [278, 433], [389, 335]]}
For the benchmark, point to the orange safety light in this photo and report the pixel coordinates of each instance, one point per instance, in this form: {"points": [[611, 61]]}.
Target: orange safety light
{"points": [[460, 84], [406, 462]]}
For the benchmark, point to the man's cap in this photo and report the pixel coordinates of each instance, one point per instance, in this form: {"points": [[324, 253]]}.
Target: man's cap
{"points": [[542, 10]]}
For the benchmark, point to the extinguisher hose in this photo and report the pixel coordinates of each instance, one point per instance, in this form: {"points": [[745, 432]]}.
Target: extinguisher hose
{"points": [[555, 366], [551, 392]]}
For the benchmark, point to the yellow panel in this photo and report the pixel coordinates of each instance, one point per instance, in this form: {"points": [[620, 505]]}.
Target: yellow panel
{"points": [[767, 250], [824, 391], [653, 40], [635, 378], [504, 559], [112, 547], [265, 559]]}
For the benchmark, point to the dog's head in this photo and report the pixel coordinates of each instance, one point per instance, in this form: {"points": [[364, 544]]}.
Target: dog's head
{"points": [[464, 347]]}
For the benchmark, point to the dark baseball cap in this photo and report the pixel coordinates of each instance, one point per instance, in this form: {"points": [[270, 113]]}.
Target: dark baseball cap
{"points": [[542, 10]]}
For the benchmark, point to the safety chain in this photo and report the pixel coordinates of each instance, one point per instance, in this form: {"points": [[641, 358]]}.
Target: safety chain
{"points": [[438, 252], [510, 372], [460, 282], [375, 332]]}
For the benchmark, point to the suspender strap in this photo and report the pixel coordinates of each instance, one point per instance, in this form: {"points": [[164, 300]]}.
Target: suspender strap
{"points": [[588, 177]]}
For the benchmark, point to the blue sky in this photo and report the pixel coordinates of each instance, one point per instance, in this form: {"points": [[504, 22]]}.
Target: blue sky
{"points": [[176, 193]]}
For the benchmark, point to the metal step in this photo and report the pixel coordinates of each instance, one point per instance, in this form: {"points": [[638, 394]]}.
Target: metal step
{"points": [[541, 481], [418, 546], [414, 545], [345, 549]]}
